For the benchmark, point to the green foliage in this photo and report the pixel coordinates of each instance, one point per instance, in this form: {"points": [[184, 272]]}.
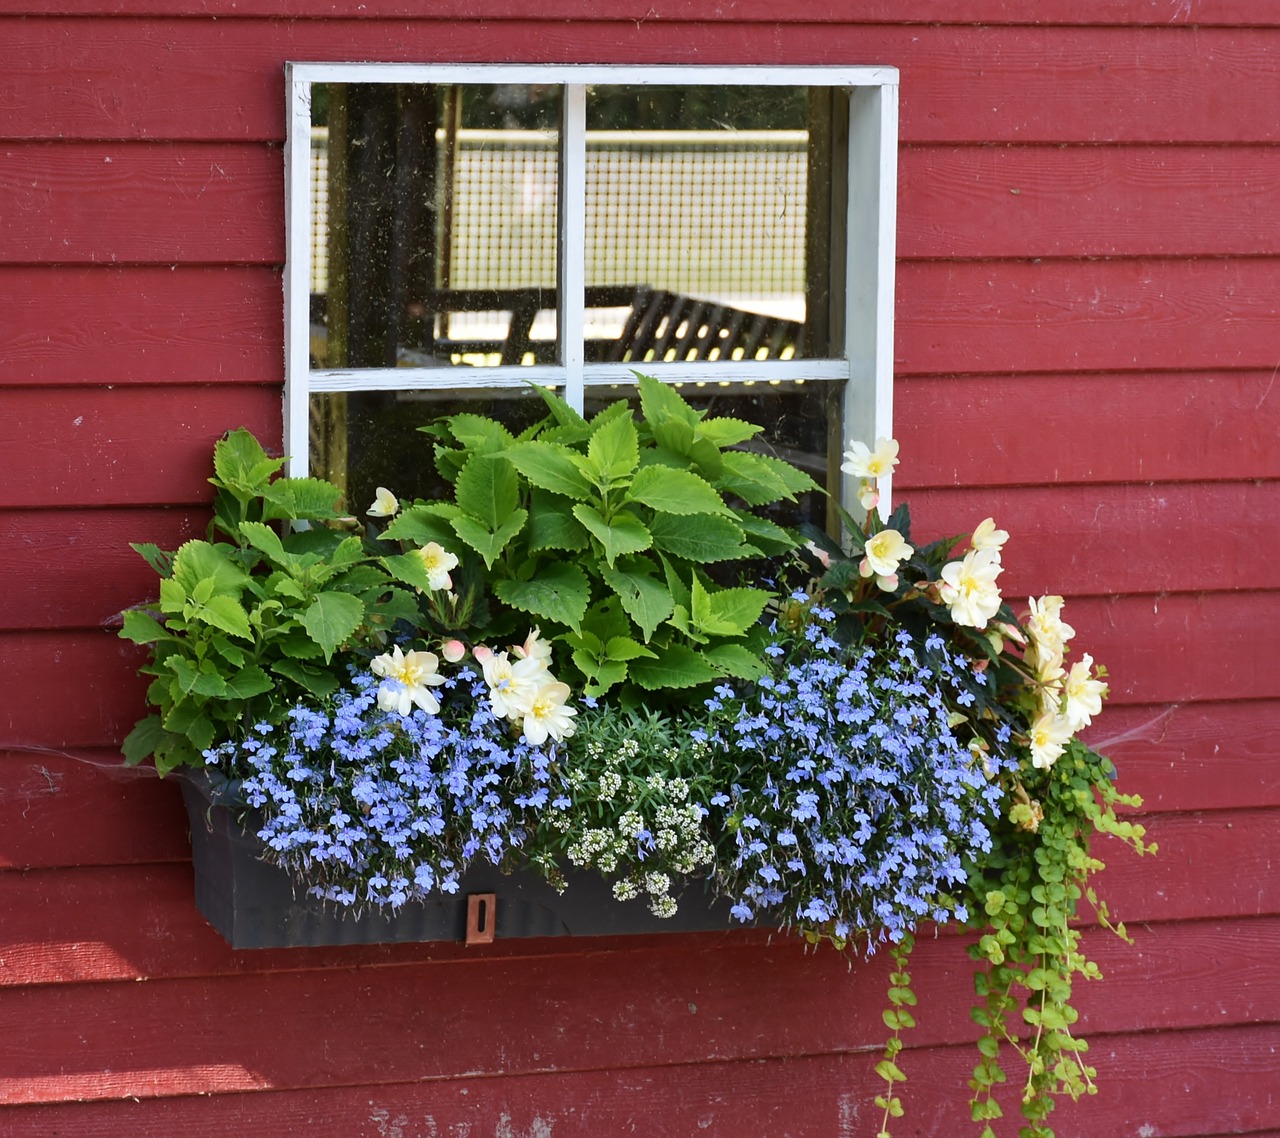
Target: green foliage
{"points": [[600, 531], [245, 626]]}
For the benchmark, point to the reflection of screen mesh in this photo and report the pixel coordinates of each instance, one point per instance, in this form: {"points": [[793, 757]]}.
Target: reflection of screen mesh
{"points": [[714, 214]]}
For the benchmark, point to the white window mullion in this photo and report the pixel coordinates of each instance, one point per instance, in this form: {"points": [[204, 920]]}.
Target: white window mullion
{"points": [[297, 279], [571, 317]]}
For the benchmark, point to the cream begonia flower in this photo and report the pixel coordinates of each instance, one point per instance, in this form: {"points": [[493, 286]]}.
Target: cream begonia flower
{"points": [[1084, 694], [1049, 736], [385, 504], [534, 648], [512, 686], [969, 587], [437, 561], [883, 554], [549, 716], [1049, 634], [408, 678], [986, 536], [863, 462]]}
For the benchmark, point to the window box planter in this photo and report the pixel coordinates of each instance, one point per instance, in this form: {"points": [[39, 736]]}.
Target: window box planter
{"points": [[254, 904]]}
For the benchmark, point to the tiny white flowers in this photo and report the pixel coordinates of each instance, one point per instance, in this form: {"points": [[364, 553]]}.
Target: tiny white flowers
{"points": [[407, 680], [385, 504], [437, 561]]}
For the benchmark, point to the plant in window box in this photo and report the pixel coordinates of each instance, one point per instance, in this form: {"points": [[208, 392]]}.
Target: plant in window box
{"points": [[544, 673]]}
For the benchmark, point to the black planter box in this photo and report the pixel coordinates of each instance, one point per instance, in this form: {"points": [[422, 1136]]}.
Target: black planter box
{"points": [[255, 905]]}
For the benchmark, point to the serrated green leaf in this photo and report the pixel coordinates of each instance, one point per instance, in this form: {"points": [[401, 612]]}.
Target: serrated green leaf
{"points": [[488, 490], [661, 403], [240, 462], [552, 526], [727, 612], [674, 666], [160, 560], [551, 466], [317, 681], [332, 618], [601, 675], [248, 682], [701, 538], [772, 540], [727, 432], [198, 561], [644, 599], [623, 533], [675, 492], [143, 629], [423, 523], [308, 499], [559, 593], [479, 434], [489, 544], [143, 741], [225, 613], [736, 660], [753, 478], [614, 448], [266, 541], [624, 648]]}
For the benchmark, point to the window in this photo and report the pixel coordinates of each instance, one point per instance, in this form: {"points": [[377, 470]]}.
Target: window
{"points": [[457, 232]]}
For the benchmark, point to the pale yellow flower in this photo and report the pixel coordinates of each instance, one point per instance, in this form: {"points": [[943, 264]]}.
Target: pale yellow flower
{"points": [[885, 552], [408, 676], [986, 536], [437, 561], [535, 648], [1084, 694], [1049, 736], [1049, 634], [384, 505], [548, 715], [512, 687], [863, 462], [969, 587]]}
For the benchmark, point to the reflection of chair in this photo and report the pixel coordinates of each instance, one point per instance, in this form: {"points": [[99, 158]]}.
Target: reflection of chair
{"points": [[667, 326], [658, 326]]}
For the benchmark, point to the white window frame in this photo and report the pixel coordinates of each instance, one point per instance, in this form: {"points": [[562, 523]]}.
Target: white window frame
{"points": [[866, 364]]}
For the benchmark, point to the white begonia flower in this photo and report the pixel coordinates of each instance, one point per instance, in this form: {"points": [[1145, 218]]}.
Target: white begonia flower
{"points": [[1084, 694], [1049, 634], [535, 648], [437, 561], [549, 715], [884, 553], [385, 504], [512, 687], [969, 587], [863, 462], [409, 676], [1049, 736], [986, 536]]}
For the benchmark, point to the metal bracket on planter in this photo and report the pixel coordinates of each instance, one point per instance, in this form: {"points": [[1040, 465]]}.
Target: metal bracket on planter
{"points": [[482, 917]]}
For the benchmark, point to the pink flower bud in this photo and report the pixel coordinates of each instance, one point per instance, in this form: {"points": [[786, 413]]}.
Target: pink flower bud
{"points": [[481, 653], [453, 650]]}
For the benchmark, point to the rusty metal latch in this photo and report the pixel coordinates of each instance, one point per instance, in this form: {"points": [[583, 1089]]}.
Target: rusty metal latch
{"points": [[482, 917]]}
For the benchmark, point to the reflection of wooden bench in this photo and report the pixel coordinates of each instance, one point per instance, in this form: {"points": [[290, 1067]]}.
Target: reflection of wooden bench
{"points": [[659, 326]]}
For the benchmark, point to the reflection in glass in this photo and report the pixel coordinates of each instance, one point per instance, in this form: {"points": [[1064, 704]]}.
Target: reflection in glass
{"points": [[434, 225], [700, 203]]}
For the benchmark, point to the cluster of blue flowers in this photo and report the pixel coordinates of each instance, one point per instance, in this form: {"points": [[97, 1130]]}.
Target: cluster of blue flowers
{"points": [[855, 806], [372, 807]]}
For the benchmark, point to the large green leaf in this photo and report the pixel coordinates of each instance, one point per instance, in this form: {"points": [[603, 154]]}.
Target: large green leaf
{"points": [[558, 593], [423, 523], [662, 403], [489, 543], [240, 463], [736, 660], [645, 600], [143, 741], [675, 492], [623, 533], [408, 567], [487, 489], [701, 538], [264, 539], [160, 560], [479, 434], [332, 618], [552, 525], [770, 539], [198, 561], [304, 498], [143, 629], [226, 613], [727, 432], [676, 666], [248, 682], [614, 448], [316, 680], [726, 612], [751, 479], [552, 467]]}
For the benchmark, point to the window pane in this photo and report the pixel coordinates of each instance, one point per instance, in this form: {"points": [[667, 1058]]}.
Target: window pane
{"points": [[434, 224], [703, 238]]}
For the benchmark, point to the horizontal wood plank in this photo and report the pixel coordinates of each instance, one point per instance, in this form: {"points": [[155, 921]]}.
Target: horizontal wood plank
{"points": [[146, 324], [1082, 538], [1142, 640], [124, 445], [1207, 13], [141, 202], [1097, 201], [1035, 430], [1141, 315], [165, 78]]}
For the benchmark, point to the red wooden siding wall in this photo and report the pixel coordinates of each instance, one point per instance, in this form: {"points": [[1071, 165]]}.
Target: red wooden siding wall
{"points": [[1088, 345]]}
